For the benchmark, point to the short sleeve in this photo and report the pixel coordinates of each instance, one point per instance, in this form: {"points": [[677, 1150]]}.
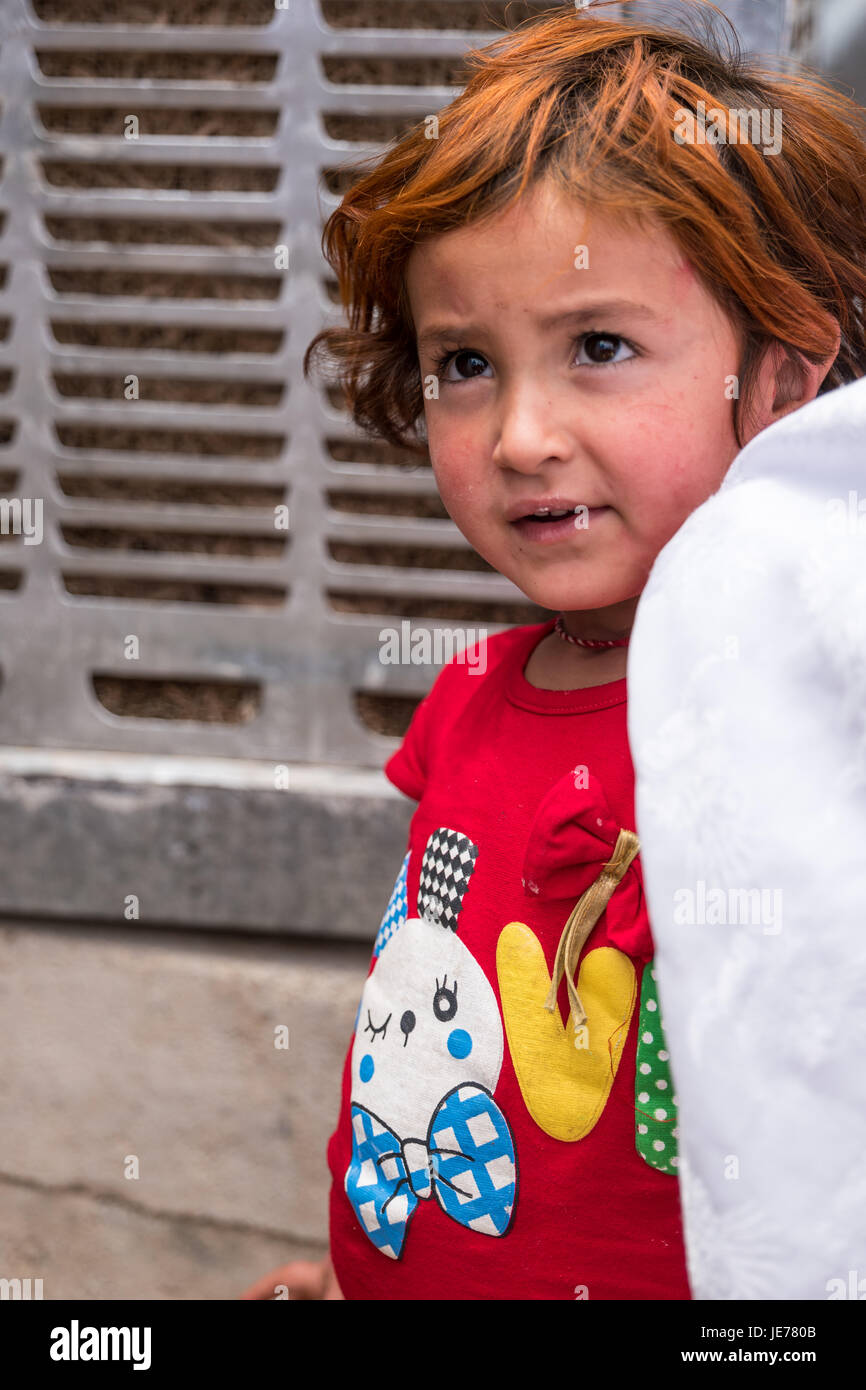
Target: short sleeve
{"points": [[407, 768]]}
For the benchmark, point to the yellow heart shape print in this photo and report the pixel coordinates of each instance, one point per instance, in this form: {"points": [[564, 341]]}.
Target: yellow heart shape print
{"points": [[565, 1087]]}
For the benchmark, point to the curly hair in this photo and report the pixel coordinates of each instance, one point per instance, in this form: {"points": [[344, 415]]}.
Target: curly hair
{"points": [[779, 240]]}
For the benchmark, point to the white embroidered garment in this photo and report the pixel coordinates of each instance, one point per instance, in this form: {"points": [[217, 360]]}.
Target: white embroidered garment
{"points": [[747, 723]]}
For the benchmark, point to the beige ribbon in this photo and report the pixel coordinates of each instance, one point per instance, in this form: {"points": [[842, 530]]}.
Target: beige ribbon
{"points": [[582, 919]]}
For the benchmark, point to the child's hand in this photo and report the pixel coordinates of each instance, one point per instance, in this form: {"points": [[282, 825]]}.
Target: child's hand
{"points": [[303, 1278]]}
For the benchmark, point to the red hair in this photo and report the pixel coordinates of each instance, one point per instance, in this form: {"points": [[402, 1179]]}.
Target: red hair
{"points": [[779, 240]]}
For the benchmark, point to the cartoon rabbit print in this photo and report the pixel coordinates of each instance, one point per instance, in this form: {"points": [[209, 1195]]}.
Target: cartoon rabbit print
{"points": [[426, 1058]]}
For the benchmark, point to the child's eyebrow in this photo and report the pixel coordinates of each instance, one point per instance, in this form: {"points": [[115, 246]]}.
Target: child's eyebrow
{"points": [[596, 310]]}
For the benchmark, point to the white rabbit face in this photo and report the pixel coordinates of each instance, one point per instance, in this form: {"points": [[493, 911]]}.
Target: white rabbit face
{"points": [[425, 1062], [428, 1021]]}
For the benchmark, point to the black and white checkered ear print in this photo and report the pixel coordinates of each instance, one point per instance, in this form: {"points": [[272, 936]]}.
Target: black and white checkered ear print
{"points": [[446, 869]]}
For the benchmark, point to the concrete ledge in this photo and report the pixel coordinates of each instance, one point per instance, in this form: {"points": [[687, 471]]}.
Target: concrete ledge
{"points": [[198, 842], [162, 1047], [85, 1248]]}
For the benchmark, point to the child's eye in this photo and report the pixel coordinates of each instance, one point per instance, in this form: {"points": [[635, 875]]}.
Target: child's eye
{"points": [[445, 1000], [470, 353], [603, 348], [602, 343]]}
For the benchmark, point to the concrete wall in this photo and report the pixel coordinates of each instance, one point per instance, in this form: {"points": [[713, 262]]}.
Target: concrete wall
{"points": [[142, 1037], [161, 1045]]}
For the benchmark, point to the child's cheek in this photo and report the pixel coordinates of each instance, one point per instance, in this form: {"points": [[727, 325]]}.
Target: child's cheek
{"points": [[454, 459]]}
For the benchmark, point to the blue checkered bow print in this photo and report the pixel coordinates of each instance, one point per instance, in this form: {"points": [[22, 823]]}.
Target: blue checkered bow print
{"points": [[467, 1162]]}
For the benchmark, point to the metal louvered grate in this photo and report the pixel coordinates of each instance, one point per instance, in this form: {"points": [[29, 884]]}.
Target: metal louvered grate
{"points": [[151, 396], [155, 406]]}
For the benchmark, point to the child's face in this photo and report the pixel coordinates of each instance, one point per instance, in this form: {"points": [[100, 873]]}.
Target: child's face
{"points": [[527, 411]]}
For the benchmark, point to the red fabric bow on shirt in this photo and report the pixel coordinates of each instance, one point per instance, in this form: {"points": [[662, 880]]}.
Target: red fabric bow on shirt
{"points": [[574, 830]]}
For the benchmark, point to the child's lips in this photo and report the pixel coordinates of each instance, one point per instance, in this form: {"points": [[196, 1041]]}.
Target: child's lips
{"points": [[549, 532]]}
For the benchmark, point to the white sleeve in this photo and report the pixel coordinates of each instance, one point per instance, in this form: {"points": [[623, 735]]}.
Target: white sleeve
{"points": [[747, 722]]}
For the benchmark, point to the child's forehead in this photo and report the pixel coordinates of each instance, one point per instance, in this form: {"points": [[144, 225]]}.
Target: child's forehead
{"points": [[544, 214], [540, 251]]}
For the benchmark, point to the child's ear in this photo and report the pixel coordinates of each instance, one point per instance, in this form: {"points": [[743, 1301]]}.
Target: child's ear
{"points": [[785, 381]]}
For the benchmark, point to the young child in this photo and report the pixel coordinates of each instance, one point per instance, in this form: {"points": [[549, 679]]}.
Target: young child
{"points": [[594, 304]]}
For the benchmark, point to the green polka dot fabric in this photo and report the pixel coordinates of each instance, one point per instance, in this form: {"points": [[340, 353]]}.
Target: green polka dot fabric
{"points": [[654, 1099]]}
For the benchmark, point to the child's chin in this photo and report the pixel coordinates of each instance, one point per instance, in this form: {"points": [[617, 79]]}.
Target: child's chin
{"points": [[578, 598]]}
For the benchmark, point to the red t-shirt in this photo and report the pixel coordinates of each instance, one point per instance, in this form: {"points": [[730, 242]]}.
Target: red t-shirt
{"points": [[487, 1147]]}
